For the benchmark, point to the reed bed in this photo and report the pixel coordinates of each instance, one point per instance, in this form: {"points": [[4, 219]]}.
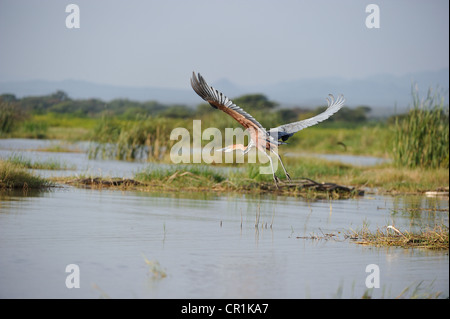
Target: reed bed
{"points": [[421, 137], [145, 138], [9, 116]]}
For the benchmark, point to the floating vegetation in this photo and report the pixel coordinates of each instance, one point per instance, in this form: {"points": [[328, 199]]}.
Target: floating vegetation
{"points": [[390, 236], [321, 236], [154, 269]]}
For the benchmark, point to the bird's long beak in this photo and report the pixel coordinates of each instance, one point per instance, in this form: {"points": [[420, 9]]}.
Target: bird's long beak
{"points": [[225, 149]]}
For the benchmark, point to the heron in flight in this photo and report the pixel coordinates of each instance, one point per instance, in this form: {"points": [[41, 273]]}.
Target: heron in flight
{"points": [[260, 138]]}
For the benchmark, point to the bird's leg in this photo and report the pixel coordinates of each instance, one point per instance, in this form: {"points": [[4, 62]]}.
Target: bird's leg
{"points": [[282, 165], [275, 178]]}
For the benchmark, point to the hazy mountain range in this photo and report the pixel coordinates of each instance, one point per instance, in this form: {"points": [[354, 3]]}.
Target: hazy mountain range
{"points": [[381, 92]]}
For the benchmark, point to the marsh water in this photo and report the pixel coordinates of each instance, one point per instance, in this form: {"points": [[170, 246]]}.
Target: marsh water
{"points": [[205, 245]]}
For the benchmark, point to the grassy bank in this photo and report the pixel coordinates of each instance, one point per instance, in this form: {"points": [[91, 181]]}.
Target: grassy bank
{"points": [[49, 164], [386, 178], [247, 178], [15, 176], [395, 180]]}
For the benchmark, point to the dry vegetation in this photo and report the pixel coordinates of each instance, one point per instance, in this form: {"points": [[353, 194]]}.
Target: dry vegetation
{"points": [[436, 238]]}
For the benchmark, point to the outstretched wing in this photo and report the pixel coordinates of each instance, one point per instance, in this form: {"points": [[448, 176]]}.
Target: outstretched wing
{"points": [[287, 130], [219, 101]]}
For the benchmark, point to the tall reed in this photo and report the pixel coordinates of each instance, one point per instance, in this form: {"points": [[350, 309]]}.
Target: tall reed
{"points": [[421, 137], [145, 138], [10, 116]]}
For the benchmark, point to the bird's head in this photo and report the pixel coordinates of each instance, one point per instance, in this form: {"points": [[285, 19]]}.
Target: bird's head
{"points": [[225, 149], [232, 148]]}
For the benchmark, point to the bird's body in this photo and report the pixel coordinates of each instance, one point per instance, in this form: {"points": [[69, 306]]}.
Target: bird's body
{"points": [[260, 138]]}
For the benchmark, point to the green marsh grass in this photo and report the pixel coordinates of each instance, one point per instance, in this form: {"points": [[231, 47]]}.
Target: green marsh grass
{"points": [[49, 164], [144, 138], [189, 176], [58, 148], [33, 129], [198, 177], [13, 175], [6, 118], [421, 138], [368, 140], [246, 177], [10, 116], [387, 178], [53, 126]]}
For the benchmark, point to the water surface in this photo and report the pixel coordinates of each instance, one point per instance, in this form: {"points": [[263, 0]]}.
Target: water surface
{"points": [[199, 242], [207, 243]]}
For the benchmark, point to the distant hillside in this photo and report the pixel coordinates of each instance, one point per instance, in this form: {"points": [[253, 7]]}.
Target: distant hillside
{"points": [[381, 92], [83, 90]]}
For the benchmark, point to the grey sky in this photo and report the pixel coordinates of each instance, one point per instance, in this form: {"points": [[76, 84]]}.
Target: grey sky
{"points": [[250, 42]]}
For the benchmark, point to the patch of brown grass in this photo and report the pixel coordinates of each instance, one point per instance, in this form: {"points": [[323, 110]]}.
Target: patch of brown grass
{"points": [[436, 238]]}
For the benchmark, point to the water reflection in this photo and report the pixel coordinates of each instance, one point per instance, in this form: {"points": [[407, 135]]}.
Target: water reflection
{"points": [[207, 243], [7, 195], [421, 210]]}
